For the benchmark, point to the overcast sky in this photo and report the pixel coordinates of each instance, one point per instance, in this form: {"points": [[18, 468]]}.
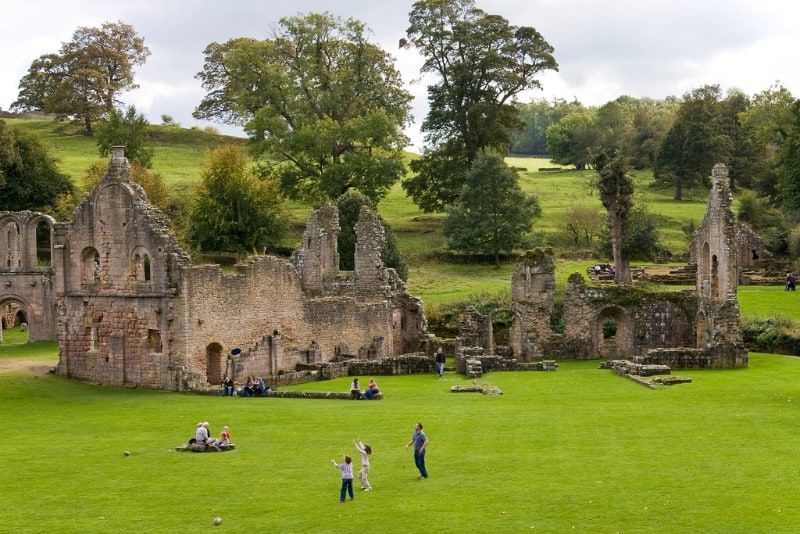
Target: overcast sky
{"points": [[652, 48]]}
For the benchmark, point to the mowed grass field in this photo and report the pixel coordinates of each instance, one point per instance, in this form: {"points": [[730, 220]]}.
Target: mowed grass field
{"points": [[576, 450]]}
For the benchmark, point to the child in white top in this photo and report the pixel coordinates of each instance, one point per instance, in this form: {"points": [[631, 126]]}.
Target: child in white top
{"points": [[365, 451]]}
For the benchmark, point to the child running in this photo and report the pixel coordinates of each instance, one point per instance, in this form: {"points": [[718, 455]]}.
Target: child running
{"points": [[347, 477], [365, 451]]}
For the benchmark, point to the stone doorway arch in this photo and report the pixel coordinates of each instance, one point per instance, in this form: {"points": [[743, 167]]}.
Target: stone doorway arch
{"points": [[505, 330], [215, 363], [612, 334], [13, 314]]}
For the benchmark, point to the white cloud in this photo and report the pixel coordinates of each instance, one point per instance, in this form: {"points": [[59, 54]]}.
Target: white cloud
{"points": [[606, 49]]}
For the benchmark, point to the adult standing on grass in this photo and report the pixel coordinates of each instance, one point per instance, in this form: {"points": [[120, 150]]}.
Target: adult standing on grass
{"points": [[420, 442], [440, 359]]}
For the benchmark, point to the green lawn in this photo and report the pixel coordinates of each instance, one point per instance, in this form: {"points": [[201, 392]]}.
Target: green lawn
{"points": [[576, 450]]}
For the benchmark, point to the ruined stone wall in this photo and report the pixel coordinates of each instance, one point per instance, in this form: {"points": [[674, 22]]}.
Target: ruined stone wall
{"points": [[113, 341], [533, 289], [24, 282]]}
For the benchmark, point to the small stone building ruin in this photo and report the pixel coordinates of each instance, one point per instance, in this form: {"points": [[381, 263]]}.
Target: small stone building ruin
{"points": [[686, 329], [129, 308]]}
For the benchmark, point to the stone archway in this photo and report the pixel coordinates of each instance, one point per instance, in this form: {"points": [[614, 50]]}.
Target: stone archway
{"points": [[612, 334], [505, 330], [215, 363], [14, 314]]}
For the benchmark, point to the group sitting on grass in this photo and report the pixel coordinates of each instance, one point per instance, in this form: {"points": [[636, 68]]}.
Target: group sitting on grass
{"points": [[253, 387], [202, 437], [369, 393]]}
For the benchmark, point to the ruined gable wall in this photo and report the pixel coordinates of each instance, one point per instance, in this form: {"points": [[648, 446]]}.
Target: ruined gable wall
{"points": [[533, 290], [113, 314]]}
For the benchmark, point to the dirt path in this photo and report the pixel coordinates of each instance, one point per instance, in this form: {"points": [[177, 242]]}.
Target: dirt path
{"points": [[33, 365]]}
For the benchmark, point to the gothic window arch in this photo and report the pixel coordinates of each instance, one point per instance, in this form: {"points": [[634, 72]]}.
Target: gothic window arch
{"points": [[142, 265], [90, 266]]}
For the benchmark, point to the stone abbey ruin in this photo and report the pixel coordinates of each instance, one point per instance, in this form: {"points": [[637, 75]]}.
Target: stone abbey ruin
{"points": [[129, 308]]}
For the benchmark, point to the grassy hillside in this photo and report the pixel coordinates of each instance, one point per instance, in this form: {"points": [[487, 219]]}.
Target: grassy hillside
{"points": [[180, 154]]}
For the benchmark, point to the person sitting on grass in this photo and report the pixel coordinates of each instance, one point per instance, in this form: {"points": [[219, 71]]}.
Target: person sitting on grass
{"points": [[372, 389], [355, 392]]}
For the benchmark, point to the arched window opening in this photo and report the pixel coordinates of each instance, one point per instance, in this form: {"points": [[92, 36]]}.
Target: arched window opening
{"points": [[44, 257]]}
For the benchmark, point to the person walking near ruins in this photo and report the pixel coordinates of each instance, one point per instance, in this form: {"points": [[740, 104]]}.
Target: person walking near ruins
{"points": [[440, 360], [789, 282], [420, 442], [347, 477], [363, 473]]}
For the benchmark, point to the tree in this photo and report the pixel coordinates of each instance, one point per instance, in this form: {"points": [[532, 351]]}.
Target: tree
{"points": [[574, 138], [324, 104], [538, 115], [616, 193], [129, 129], [482, 63], [787, 166], [766, 122], [234, 210], [29, 175], [349, 206], [651, 121], [582, 223], [492, 214], [695, 142], [642, 241], [83, 80]]}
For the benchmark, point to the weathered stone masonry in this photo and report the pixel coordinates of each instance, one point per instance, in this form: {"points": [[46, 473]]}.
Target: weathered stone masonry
{"points": [[129, 308], [687, 329]]}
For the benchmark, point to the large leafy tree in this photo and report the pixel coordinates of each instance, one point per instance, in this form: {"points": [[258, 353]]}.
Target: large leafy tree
{"points": [[29, 175], [616, 193], [325, 105], [573, 139], [695, 142], [766, 122], [787, 166], [481, 63], [493, 214], [234, 209], [84, 79], [128, 128], [538, 115]]}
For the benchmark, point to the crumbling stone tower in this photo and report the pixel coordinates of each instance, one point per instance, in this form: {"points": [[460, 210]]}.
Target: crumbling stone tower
{"points": [[716, 250]]}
